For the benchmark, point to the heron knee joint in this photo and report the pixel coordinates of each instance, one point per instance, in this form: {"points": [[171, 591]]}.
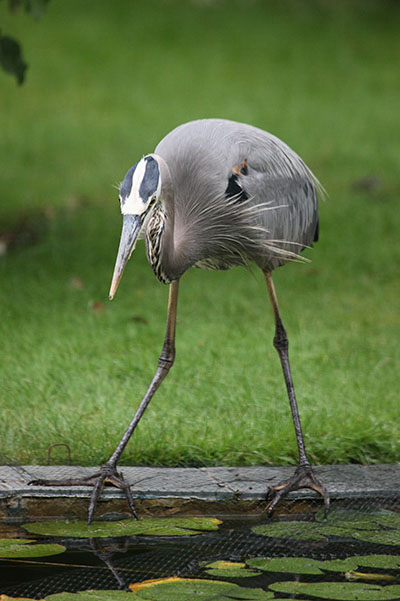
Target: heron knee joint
{"points": [[281, 341], [166, 358], [165, 363]]}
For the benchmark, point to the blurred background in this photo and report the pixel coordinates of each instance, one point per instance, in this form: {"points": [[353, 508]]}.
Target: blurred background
{"points": [[106, 81]]}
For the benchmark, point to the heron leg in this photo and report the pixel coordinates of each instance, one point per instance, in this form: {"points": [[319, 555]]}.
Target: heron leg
{"points": [[108, 472], [304, 476]]}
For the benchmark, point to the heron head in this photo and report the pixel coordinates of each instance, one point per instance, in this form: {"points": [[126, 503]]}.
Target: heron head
{"points": [[138, 193]]}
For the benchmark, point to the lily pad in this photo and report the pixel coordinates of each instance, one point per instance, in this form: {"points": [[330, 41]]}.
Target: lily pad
{"points": [[371, 526], [388, 562], [382, 516], [130, 527], [340, 565], [91, 595], [353, 575], [7, 598], [293, 530], [293, 565], [390, 519], [339, 591], [351, 519], [22, 547], [183, 589], [229, 569], [304, 565], [381, 537]]}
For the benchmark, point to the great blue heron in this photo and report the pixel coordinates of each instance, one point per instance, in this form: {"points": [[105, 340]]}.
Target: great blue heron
{"points": [[216, 194]]}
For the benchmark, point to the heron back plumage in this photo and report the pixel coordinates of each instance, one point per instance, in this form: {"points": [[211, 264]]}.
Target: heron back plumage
{"points": [[239, 194]]}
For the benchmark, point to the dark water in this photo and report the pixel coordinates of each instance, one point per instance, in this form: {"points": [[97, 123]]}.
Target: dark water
{"points": [[114, 563]]}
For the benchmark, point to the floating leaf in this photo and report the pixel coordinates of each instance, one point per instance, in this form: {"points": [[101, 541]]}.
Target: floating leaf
{"points": [[7, 598], [183, 589], [90, 595], [137, 586], [381, 537], [222, 564], [387, 562], [370, 526], [339, 591], [22, 547], [229, 569], [293, 565], [130, 527], [5, 542], [303, 565], [361, 520], [390, 519], [293, 530], [341, 565], [352, 575]]}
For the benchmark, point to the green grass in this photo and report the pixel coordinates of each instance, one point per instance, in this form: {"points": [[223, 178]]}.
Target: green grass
{"points": [[106, 82]]}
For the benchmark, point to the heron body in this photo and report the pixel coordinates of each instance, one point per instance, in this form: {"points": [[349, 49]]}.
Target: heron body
{"points": [[231, 194], [216, 194]]}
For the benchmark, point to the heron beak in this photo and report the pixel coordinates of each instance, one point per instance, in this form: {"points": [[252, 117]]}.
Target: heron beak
{"points": [[130, 230]]}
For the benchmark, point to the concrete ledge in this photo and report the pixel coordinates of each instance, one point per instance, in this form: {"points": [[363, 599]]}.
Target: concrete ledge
{"points": [[182, 490]]}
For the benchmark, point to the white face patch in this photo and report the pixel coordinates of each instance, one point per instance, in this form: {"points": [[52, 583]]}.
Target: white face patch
{"points": [[133, 204], [144, 186]]}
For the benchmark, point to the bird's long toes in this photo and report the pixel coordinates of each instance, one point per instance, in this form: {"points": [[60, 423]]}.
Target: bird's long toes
{"points": [[303, 477], [129, 498], [109, 475]]}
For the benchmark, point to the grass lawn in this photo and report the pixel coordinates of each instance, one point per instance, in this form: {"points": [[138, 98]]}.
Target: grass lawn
{"points": [[106, 81]]}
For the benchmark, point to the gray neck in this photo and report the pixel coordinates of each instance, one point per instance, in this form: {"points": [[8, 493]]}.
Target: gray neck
{"points": [[165, 255]]}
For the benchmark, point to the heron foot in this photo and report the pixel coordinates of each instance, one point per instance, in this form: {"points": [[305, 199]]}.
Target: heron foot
{"points": [[107, 475], [303, 477]]}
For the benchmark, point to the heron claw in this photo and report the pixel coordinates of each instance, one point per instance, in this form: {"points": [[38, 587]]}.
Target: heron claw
{"points": [[303, 477], [107, 475]]}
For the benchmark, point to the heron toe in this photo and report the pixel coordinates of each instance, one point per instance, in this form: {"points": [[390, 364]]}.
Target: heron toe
{"points": [[108, 475], [303, 477]]}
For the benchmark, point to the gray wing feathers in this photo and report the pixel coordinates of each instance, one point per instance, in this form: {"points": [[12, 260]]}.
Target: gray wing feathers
{"points": [[280, 216]]}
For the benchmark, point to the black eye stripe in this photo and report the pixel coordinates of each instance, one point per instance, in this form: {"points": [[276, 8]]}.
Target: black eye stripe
{"points": [[126, 185], [150, 180]]}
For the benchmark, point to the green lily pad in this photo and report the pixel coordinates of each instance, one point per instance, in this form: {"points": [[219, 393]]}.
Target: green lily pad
{"points": [[341, 565], [293, 530], [383, 515], [22, 547], [304, 565], [381, 537], [183, 589], [342, 514], [91, 595], [370, 526], [130, 527], [339, 591], [390, 519], [388, 562], [361, 520], [229, 569], [6, 542], [293, 565]]}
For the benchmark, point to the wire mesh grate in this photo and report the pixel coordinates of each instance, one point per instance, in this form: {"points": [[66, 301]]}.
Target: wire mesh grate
{"points": [[116, 563]]}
